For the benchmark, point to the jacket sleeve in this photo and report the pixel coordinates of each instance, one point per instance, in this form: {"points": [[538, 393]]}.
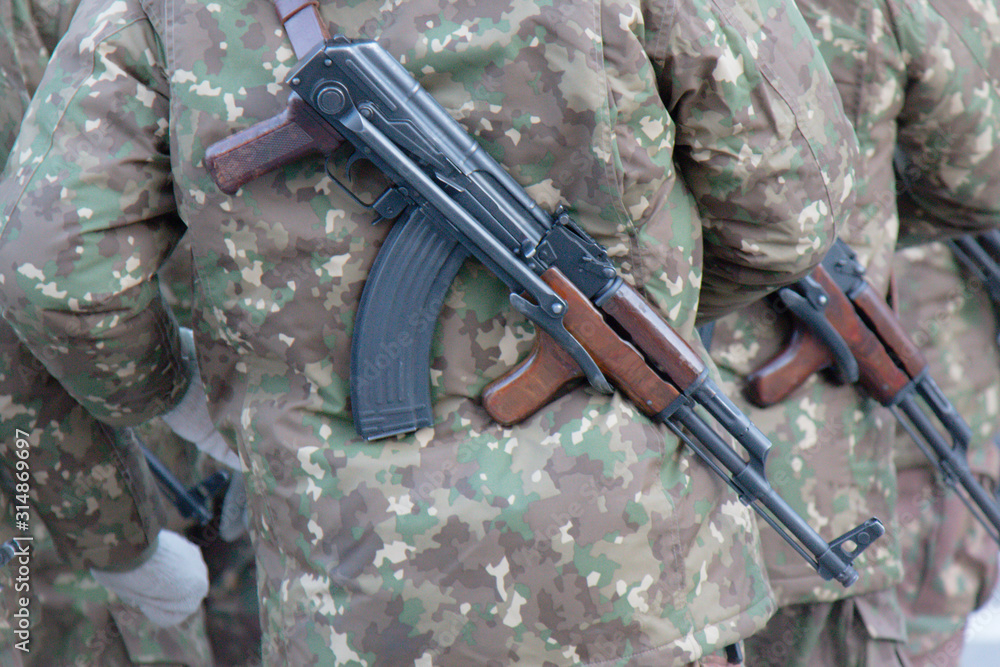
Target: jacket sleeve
{"points": [[86, 206], [948, 156], [13, 90], [762, 141]]}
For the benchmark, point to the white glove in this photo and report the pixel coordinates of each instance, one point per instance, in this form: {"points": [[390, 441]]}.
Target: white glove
{"points": [[190, 419], [168, 587]]}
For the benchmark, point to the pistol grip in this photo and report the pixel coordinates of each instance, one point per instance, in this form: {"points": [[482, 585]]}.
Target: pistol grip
{"points": [[777, 379], [544, 374], [291, 135]]}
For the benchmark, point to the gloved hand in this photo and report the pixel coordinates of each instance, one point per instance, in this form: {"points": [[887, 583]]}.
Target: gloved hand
{"points": [[190, 419], [168, 587]]}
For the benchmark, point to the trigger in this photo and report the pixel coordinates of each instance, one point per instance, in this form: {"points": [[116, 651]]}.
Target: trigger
{"points": [[351, 161]]}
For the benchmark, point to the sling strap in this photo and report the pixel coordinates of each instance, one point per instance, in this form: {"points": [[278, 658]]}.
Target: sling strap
{"points": [[303, 24]]}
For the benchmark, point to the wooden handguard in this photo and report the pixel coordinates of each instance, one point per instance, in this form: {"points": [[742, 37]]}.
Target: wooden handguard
{"points": [[878, 373], [888, 328], [291, 135], [670, 353], [543, 374]]}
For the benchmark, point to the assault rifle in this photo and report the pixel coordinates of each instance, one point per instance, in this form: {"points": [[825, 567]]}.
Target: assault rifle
{"points": [[844, 326], [455, 201]]}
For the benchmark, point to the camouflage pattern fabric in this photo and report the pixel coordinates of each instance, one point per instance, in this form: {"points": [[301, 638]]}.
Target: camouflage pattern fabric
{"points": [[76, 622], [950, 562], [12, 86], [583, 535], [946, 167], [91, 488], [92, 491], [231, 623], [909, 82], [74, 463], [855, 631], [29, 30]]}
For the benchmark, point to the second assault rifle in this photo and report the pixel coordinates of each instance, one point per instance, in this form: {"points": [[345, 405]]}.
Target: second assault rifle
{"points": [[843, 325], [454, 200]]}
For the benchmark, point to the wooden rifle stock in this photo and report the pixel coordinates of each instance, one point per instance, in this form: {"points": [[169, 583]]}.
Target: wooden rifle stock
{"points": [[291, 135]]}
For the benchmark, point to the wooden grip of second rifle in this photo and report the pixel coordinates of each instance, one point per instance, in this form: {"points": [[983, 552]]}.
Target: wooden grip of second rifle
{"points": [[806, 354], [773, 382], [291, 135], [531, 385]]}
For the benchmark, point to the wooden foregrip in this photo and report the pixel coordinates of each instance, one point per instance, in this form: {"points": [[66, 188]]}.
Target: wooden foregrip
{"points": [[531, 385], [671, 354], [773, 382], [291, 135], [878, 373], [890, 331]]}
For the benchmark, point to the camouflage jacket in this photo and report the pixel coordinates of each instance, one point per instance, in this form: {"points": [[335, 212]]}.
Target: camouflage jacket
{"points": [[678, 134], [912, 82], [950, 562], [87, 486], [74, 464], [29, 31], [947, 309], [12, 86]]}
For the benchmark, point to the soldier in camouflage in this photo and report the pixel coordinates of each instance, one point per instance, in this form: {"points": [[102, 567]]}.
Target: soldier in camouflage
{"points": [[908, 80], [701, 143], [89, 487], [35, 405], [949, 560]]}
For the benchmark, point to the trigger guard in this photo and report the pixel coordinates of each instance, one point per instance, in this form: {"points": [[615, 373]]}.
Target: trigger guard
{"points": [[554, 327]]}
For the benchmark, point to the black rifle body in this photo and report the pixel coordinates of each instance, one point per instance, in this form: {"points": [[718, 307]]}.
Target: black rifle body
{"points": [[455, 201]]}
